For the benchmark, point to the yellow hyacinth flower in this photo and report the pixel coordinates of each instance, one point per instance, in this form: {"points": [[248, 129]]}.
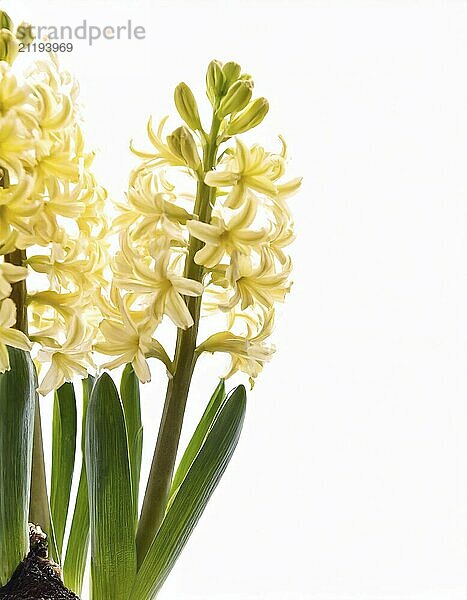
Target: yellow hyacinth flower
{"points": [[62, 266], [164, 286], [15, 97], [248, 168], [152, 209], [17, 206], [163, 155], [262, 284], [227, 236], [227, 245], [248, 352], [56, 159], [52, 215], [69, 359], [9, 336], [16, 147], [214, 239], [129, 337], [10, 274]]}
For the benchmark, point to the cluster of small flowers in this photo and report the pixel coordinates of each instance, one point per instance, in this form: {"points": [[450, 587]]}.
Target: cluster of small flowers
{"points": [[245, 268], [148, 280], [244, 251], [51, 215]]}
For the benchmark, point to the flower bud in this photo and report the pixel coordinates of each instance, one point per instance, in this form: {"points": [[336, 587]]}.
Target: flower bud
{"points": [[9, 46], [173, 142], [237, 97], [231, 73], [182, 144], [215, 81], [252, 116], [24, 33], [189, 149], [186, 106], [5, 21]]}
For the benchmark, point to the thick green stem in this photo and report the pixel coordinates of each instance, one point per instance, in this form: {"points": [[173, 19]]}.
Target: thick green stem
{"points": [[165, 453], [18, 293]]}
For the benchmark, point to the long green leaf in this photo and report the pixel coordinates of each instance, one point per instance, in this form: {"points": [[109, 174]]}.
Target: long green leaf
{"points": [[78, 541], [129, 391], [192, 496], [198, 437], [113, 549], [17, 394], [39, 506], [63, 458]]}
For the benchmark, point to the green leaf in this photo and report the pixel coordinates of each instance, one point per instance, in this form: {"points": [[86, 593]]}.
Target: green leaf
{"points": [[192, 496], [113, 549], [17, 396], [39, 506], [63, 458], [198, 437], [78, 541], [129, 391]]}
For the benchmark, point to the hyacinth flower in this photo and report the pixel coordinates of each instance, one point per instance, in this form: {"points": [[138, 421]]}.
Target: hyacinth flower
{"points": [[203, 233], [201, 240], [53, 256]]}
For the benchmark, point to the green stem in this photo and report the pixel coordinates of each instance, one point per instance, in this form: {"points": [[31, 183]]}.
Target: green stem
{"points": [[18, 293], [165, 453]]}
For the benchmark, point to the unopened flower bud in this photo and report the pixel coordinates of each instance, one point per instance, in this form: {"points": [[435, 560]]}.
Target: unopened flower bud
{"points": [[9, 46], [245, 77], [173, 142], [215, 81], [182, 144], [189, 149], [252, 116], [231, 72], [5, 21], [237, 97], [24, 33], [186, 106]]}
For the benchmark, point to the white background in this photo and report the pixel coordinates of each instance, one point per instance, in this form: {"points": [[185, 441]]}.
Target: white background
{"points": [[350, 480]]}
